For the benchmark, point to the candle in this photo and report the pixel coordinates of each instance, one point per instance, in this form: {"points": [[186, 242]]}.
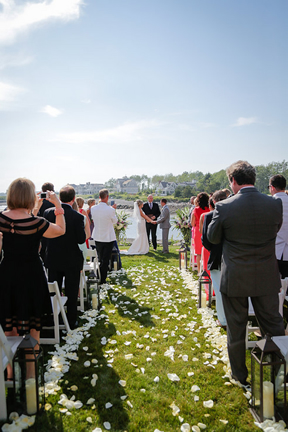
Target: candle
{"points": [[31, 397], [203, 299], [268, 399], [94, 301], [115, 265]]}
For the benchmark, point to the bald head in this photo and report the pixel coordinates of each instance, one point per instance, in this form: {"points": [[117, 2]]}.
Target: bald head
{"points": [[150, 198]]}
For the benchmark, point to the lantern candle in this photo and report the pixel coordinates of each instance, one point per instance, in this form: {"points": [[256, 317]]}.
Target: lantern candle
{"points": [[94, 301], [31, 397], [268, 399], [203, 299], [115, 265]]}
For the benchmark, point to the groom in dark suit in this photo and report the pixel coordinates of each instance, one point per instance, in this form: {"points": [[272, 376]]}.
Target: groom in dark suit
{"points": [[247, 223], [63, 256], [152, 210]]}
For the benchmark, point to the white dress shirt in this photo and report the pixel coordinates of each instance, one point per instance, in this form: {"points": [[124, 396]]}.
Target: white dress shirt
{"points": [[282, 235], [104, 217]]}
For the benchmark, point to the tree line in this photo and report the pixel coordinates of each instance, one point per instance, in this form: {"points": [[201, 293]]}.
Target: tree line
{"points": [[205, 182]]}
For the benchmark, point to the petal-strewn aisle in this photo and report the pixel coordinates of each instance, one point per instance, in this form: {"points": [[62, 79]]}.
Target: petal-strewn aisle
{"points": [[149, 361]]}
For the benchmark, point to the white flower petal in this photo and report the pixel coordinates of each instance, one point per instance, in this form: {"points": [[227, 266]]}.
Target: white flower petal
{"points": [[90, 401], [195, 388], [173, 377], [156, 379], [122, 383], [108, 405], [208, 404], [89, 420], [185, 427], [107, 425]]}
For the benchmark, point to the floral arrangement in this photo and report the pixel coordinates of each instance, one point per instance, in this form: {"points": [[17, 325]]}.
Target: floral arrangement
{"points": [[121, 225], [181, 224]]}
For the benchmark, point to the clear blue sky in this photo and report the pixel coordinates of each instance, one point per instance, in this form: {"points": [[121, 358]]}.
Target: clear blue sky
{"points": [[106, 88]]}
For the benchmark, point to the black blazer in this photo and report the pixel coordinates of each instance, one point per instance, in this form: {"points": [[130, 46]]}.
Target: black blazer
{"points": [[63, 252], [155, 211], [214, 261], [45, 205]]}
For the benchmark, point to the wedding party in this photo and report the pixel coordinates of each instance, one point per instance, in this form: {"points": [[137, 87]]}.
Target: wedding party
{"points": [[143, 216]]}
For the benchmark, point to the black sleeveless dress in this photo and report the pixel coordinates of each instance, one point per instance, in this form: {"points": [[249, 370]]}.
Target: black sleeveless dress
{"points": [[24, 296]]}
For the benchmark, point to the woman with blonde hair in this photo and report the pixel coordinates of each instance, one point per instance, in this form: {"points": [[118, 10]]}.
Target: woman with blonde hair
{"points": [[25, 303], [21, 301]]}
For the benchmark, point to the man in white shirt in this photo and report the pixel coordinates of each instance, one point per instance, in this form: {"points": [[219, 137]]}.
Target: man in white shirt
{"points": [[104, 218], [277, 185]]}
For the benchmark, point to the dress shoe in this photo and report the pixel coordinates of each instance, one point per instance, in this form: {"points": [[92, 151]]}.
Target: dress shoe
{"points": [[74, 325]]}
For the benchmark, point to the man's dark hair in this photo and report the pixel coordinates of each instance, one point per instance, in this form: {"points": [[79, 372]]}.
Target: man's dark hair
{"points": [[67, 194], [278, 181], [242, 172], [211, 203], [48, 187], [164, 200], [219, 195]]}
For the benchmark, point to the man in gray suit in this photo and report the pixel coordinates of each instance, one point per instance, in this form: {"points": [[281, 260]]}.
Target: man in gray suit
{"points": [[164, 221], [247, 223]]}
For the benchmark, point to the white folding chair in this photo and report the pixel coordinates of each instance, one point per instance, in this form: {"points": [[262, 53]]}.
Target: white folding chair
{"points": [[8, 347], [93, 266], [58, 303]]}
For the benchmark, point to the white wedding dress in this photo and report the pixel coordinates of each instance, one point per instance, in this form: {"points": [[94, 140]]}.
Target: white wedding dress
{"points": [[140, 245]]}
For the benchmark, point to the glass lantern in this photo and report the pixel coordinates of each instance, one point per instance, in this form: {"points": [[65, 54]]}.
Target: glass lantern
{"points": [[114, 260], [268, 381], [203, 281], [28, 376], [183, 257], [94, 294]]}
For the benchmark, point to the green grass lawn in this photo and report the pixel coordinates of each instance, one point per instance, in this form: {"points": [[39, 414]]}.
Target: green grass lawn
{"points": [[148, 309]]}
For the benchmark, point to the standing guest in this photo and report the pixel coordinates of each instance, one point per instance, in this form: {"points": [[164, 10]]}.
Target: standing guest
{"points": [[91, 202], [80, 203], [192, 199], [63, 257], [201, 206], [164, 221], [46, 187], [152, 210], [277, 185], [104, 218], [24, 296], [247, 224], [214, 261]]}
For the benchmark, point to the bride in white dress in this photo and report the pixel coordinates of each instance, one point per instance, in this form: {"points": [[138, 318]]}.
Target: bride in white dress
{"points": [[140, 245]]}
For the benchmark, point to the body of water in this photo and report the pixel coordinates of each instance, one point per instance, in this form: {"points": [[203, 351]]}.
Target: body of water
{"points": [[131, 231]]}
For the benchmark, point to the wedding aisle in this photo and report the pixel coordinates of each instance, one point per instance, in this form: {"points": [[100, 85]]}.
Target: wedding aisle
{"points": [[149, 361]]}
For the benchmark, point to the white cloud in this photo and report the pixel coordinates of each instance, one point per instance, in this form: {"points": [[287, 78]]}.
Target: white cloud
{"points": [[51, 111], [128, 132], [17, 19], [244, 121], [14, 60], [8, 94], [86, 101]]}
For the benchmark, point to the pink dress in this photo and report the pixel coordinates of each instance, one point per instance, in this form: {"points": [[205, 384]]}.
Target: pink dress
{"points": [[197, 235]]}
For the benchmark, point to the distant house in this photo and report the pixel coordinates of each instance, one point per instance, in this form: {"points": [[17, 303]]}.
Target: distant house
{"points": [[165, 188], [168, 188], [183, 184], [125, 185], [88, 188]]}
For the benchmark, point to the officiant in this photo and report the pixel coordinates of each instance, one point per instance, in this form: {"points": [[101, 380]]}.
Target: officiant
{"points": [[152, 210]]}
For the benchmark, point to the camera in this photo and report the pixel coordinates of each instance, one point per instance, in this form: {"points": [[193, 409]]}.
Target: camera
{"points": [[112, 202], [43, 195]]}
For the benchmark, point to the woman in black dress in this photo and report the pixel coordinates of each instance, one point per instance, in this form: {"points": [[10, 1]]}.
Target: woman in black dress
{"points": [[24, 296]]}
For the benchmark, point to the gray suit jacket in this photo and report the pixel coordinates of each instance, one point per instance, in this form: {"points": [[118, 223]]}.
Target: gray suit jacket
{"points": [[164, 219], [248, 224]]}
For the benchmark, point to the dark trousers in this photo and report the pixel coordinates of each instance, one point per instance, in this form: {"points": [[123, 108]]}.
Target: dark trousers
{"points": [[153, 229], [72, 279], [283, 268], [266, 309], [104, 250]]}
